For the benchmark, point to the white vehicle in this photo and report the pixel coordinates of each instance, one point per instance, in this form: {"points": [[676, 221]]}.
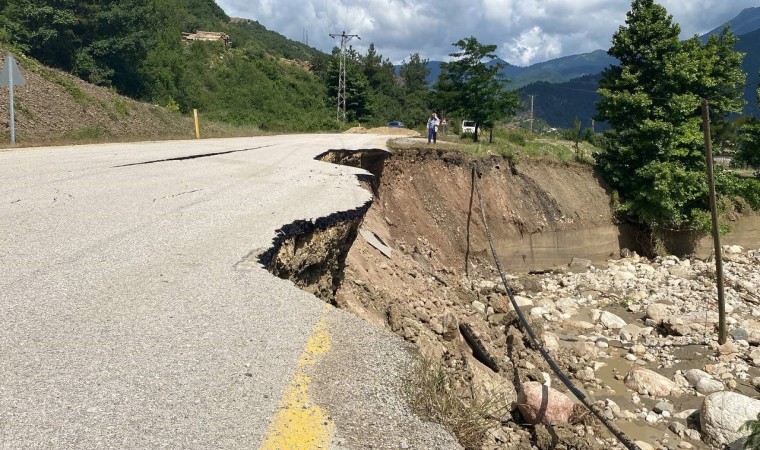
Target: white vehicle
{"points": [[468, 126]]}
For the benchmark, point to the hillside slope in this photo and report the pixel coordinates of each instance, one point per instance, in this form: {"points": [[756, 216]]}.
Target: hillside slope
{"points": [[55, 106]]}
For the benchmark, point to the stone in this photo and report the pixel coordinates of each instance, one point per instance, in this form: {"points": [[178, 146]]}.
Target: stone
{"points": [[661, 407], [585, 374], [551, 341], [755, 355], [580, 324], [579, 265], [542, 404], [645, 381], [678, 428], [658, 312], [707, 386], [450, 327], [643, 445], [630, 332], [740, 334], [611, 321], [721, 416], [479, 307], [694, 375]]}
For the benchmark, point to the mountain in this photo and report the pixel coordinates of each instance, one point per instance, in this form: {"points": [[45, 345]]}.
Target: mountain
{"points": [[559, 70], [558, 104], [746, 22]]}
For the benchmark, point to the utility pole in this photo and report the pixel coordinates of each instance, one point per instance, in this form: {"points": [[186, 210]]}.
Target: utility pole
{"points": [[715, 228], [344, 38], [531, 113]]}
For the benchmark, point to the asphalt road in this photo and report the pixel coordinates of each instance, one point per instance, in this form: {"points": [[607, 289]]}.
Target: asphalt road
{"points": [[124, 320]]}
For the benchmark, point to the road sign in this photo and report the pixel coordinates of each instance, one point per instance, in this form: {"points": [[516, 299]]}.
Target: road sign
{"points": [[10, 73]]}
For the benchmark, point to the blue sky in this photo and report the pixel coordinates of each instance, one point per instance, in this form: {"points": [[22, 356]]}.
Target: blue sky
{"points": [[525, 31]]}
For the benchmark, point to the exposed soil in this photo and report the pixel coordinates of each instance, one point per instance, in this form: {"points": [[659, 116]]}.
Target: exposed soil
{"points": [[439, 290], [54, 106]]}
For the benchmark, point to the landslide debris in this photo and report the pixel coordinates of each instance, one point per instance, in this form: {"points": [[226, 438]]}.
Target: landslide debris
{"points": [[630, 334]]}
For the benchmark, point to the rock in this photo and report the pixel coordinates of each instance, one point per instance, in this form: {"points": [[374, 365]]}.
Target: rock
{"points": [[479, 307], [645, 381], [707, 386], [542, 404], [551, 341], [694, 375], [568, 306], [611, 321], [678, 428], [675, 326], [638, 350], [733, 250], [643, 445], [685, 414], [585, 374], [740, 334], [579, 265], [756, 383], [755, 355], [721, 416], [580, 324], [630, 332], [450, 327], [658, 312], [661, 407]]}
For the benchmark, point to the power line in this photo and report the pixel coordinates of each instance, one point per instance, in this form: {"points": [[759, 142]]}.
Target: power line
{"points": [[344, 38]]}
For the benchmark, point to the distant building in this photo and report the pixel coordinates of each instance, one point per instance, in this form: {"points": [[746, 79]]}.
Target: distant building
{"points": [[207, 36]]}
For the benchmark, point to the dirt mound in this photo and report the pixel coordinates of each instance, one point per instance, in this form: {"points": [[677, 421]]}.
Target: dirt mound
{"points": [[356, 130], [394, 131]]}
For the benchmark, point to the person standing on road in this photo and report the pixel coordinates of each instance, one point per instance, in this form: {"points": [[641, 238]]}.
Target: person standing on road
{"points": [[432, 127]]}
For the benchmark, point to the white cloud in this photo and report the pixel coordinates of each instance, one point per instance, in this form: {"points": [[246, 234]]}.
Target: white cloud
{"points": [[526, 31]]}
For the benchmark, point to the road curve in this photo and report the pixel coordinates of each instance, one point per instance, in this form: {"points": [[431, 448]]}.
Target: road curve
{"points": [[126, 320]]}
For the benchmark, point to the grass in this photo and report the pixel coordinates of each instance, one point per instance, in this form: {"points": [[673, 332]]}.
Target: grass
{"points": [[512, 144], [469, 419]]}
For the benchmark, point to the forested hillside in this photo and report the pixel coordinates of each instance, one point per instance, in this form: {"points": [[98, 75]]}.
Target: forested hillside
{"points": [[259, 78]]}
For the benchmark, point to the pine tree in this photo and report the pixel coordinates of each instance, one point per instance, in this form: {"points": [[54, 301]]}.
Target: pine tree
{"points": [[654, 153]]}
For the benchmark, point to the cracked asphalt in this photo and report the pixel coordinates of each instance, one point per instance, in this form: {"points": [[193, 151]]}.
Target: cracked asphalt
{"points": [[129, 322]]}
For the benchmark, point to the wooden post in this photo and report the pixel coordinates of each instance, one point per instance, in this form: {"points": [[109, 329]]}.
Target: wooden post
{"points": [[197, 126], [715, 228]]}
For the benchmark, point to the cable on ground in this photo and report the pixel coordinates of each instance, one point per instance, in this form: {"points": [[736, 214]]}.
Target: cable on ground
{"points": [[536, 344]]}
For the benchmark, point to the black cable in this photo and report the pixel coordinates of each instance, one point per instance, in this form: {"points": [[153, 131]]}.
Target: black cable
{"points": [[622, 437]]}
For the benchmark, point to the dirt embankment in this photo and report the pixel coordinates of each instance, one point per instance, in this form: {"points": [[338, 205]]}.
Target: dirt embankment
{"points": [[426, 211], [54, 106]]}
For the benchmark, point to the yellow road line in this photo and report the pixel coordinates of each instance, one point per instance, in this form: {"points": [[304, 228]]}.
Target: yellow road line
{"points": [[300, 424]]}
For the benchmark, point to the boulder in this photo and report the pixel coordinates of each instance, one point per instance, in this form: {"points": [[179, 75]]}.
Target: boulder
{"points": [[611, 321], [539, 403], [630, 332], [694, 375], [721, 416], [707, 386], [658, 312], [645, 381]]}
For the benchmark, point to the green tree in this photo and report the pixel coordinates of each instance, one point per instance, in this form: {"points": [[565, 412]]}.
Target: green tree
{"points": [[45, 30], [749, 143], [414, 73], [471, 88], [654, 151], [357, 86]]}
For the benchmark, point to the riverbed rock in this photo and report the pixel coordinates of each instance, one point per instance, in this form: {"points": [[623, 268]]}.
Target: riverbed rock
{"points": [[611, 321], [658, 312], [707, 386], [645, 381], [542, 404], [694, 375], [721, 416]]}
